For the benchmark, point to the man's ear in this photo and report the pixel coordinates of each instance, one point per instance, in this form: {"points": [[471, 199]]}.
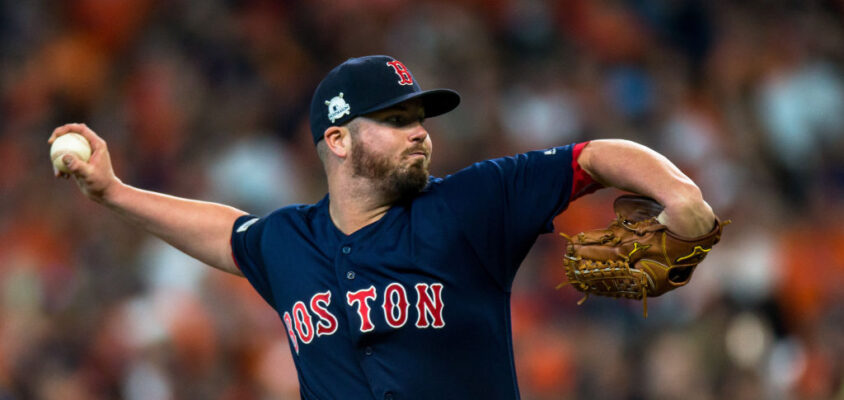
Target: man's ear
{"points": [[338, 140]]}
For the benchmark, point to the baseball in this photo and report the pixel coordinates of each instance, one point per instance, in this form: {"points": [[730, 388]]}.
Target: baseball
{"points": [[71, 143]]}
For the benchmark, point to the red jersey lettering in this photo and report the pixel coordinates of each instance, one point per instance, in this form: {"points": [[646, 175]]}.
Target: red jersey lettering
{"points": [[292, 335], [395, 305], [327, 324], [302, 321], [360, 299], [429, 305]]}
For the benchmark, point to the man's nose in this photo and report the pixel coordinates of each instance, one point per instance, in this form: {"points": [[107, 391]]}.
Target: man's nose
{"points": [[417, 133]]}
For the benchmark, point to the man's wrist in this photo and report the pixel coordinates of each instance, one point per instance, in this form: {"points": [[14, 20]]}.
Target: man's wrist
{"points": [[112, 193], [687, 213]]}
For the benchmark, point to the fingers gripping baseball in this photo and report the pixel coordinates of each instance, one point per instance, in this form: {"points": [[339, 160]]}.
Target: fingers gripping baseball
{"points": [[94, 176]]}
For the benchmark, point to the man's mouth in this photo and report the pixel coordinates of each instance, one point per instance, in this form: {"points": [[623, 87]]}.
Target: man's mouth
{"points": [[421, 153]]}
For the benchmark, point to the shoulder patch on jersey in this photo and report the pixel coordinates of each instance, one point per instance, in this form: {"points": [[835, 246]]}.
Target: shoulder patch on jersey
{"points": [[551, 152], [244, 226]]}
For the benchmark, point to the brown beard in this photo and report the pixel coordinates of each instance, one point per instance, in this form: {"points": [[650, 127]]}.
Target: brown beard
{"points": [[401, 182]]}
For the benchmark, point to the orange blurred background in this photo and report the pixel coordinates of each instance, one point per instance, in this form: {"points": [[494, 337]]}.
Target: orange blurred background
{"points": [[210, 100]]}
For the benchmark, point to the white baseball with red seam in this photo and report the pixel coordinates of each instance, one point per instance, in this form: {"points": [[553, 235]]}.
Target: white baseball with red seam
{"points": [[70, 143]]}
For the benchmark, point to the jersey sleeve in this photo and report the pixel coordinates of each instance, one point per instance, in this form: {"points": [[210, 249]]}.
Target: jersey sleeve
{"points": [[503, 205], [247, 238]]}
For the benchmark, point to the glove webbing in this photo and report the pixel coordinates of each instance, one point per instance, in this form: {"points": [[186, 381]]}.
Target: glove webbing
{"points": [[627, 282]]}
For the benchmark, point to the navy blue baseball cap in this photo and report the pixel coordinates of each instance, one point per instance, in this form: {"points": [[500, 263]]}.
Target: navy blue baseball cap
{"points": [[367, 84]]}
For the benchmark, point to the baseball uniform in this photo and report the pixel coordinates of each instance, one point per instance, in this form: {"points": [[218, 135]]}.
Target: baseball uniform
{"points": [[415, 305]]}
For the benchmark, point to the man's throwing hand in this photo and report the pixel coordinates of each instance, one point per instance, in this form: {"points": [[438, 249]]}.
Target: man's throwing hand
{"points": [[95, 177]]}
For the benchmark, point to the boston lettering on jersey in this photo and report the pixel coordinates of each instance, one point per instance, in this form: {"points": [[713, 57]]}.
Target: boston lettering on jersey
{"points": [[303, 327]]}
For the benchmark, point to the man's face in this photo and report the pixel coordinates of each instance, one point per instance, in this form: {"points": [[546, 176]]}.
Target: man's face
{"points": [[393, 149]]}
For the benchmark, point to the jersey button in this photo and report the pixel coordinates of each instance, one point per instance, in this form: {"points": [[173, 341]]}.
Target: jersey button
{"points": [[368, 351], [350, 275], [346, 249], [388, 396]]}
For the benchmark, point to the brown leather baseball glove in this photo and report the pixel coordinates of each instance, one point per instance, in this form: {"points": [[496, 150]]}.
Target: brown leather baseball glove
{"points": [[636, 257]]}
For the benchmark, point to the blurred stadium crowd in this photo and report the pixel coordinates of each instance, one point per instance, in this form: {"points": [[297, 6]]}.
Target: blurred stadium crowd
{"points": [[209, 99]]}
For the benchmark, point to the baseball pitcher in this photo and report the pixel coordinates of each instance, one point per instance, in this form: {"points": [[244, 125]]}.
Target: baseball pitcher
{"points": [[396, 285]]}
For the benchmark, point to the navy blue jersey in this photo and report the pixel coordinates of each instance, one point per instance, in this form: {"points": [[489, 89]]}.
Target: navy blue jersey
{"points": [[417, 304]]}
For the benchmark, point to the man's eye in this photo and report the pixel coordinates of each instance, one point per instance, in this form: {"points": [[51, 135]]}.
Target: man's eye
{"points": [[401, 120], [398, 120]]}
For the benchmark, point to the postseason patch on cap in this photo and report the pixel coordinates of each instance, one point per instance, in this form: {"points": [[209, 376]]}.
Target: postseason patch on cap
{"points": [[337, 107]]}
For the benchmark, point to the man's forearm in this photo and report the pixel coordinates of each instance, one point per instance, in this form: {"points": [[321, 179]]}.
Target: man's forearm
{"points": [[632, 167], [198, 228]]}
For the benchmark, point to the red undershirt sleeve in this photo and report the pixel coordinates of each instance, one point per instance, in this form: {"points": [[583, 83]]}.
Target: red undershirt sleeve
{"points": [[582, 182]]}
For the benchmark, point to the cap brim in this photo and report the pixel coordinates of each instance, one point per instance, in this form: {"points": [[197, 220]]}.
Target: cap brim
{"points": [[434, 101]]}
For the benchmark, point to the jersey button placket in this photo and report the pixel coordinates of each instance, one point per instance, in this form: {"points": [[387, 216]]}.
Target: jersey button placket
{"points": [[344, 261]]}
